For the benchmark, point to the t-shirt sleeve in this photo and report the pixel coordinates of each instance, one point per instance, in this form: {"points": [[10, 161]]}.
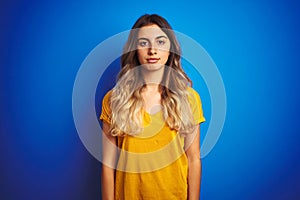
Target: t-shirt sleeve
{"points": [[196, 106], [106, 111]]}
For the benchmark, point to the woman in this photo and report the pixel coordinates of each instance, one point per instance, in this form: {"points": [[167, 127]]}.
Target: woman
{"points": [[152, 116]]}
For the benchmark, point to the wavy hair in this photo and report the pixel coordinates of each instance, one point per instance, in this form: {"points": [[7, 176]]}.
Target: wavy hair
{"points": [[126, 100]]}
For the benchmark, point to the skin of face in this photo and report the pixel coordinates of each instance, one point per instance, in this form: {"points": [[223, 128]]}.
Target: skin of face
{"points": [[152, 47]]}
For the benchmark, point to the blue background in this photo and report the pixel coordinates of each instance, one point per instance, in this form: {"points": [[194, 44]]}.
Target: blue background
{"points": [[255, 45]]}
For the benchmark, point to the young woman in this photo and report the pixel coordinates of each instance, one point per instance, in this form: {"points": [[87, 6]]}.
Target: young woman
{"points": [[151, 133]]}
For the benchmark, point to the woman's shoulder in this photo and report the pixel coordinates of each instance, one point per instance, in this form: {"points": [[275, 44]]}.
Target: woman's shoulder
{"points": [[106, 110], [196, 105], [192, 92], [190, 89], [108, 94], [106, 98], [193, 96]]}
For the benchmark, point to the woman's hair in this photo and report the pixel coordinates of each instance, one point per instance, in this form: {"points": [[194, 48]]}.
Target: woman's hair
{"points": [[126, 100]]}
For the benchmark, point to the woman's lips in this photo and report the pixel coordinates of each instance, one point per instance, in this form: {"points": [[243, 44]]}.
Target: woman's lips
{"points": [[152, 60]]}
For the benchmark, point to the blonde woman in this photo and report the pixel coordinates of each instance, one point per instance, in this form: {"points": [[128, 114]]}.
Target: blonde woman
{"points": [[151, 133]]}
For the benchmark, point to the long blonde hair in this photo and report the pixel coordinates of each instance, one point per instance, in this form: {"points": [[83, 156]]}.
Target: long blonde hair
{"points": [[126, 100]]}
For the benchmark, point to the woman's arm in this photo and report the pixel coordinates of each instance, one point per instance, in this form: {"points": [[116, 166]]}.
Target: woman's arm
{"points": [[108, 163], [192, 144]]}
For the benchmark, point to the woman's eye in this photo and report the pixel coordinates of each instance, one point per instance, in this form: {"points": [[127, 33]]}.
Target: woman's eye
{"points": [[161, 42], [143, 43]]}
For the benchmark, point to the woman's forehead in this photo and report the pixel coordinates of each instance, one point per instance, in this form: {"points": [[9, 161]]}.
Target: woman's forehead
{"points": [[151, 32]]}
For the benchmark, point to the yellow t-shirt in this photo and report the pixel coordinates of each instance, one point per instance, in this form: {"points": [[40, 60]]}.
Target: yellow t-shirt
{"points": [[153, 164]]}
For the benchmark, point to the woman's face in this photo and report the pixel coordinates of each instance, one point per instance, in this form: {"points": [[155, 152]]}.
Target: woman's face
{"points": [[152, 47]]}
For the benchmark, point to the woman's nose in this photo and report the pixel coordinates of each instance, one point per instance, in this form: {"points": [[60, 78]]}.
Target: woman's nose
{"points": [[152, 50]]}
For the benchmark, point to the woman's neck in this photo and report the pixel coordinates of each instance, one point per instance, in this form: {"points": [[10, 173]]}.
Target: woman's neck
{"points": [[152, 78], [151, 88], [151, 98]]}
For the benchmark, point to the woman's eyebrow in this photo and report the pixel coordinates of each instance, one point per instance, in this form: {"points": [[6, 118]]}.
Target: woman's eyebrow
{"points": [[158, 37], [143, 39], [162, 36]]}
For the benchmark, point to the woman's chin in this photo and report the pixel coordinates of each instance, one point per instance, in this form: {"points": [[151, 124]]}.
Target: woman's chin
{"points": [[153, 66]]}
